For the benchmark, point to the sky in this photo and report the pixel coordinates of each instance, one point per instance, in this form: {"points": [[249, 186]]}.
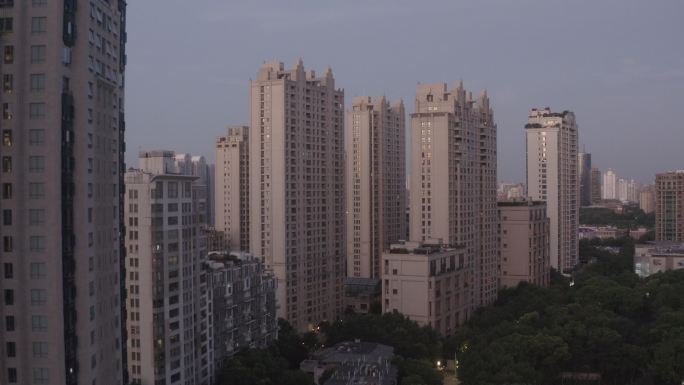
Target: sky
{"points": [[618, 64]]}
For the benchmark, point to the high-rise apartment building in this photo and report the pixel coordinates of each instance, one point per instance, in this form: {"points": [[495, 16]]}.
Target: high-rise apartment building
{"points": [[168, 330], [232, 187], [62, 123], [627, 190], [647, 199], [453, 181], [376, 182], [610, 180], [297, 213], [669, 208], [552, 177], [524, 242], [584, 175], [595, 185]]}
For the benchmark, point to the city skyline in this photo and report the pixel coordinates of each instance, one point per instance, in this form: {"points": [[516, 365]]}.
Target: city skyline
{"points": [[617, 72]]}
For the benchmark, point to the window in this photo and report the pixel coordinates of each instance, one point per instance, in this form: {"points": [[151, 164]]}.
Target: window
{"points": [[8, 83], [40, 376], [7, 217], [36, 190], [9, 297], [38, 25], [9, 271], [38, 297], [7, 244], [36, 163], [9, 323], [173, 190], [40, 349], [36, 110], [11, 349], [7, 138], [7, 164], [38, 270], [6, 111], [6, 24], [6, 3], [37, 54], [9, 54], [7, 191], [36, 217], [12, 375], [36, 137], [37, 243], [37, 82], [39, 3], [38, 323]]}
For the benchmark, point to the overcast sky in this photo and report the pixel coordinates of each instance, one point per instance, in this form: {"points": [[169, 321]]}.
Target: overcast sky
{"points": [[618, 64]]}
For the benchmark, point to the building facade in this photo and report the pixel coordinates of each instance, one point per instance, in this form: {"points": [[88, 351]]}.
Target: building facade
{"points": [[376, 180], [453, 180], [669, 209], [168, 342], [524, 244], [657, 257], [609, 190], [595, 186], [297, 208], [242, 313], [584, 175], [647, 199], [232, 186], [62, 156], [552, 177], [628, 190], [427, 282]]}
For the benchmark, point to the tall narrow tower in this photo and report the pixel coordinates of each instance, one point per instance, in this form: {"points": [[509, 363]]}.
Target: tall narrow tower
{"points": [[584, 175], [62, 192], [296, 158], [376, 180], [552, 177], [669, 207]]}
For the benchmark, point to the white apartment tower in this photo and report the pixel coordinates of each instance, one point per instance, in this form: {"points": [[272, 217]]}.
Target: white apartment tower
{"points": [[552, 177], [453, 181], [168, 339], [610, 185], [296, 159], [232, 187], [376, 180], [62, 123]]}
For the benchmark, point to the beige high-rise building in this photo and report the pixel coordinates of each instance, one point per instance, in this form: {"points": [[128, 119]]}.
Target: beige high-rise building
{"points": [[610, 185], [297, 214], [453, 182], [232, 187], [428, 283], [376, 182], [595, 186], [669, 208], [647, 199], [62, 148], [524, 243], [552, 177], [168, 338]]}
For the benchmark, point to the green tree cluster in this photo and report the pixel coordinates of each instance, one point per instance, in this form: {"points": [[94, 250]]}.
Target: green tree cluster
{"points": [[610, 322], [632, 217]]}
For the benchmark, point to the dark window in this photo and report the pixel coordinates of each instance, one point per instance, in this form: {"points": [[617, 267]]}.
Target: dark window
{"points": [[9, 323], [9, 270], [7, 217], [6, 24], [11, 349], [9, 297], [12, 375], [9, 54]]}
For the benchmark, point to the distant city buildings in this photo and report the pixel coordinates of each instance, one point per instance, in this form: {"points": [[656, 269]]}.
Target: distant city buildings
{"points": [[429, 283], [609, 185], [510, 191], [524, 243], [297, 205], [584, 175], [595, 186], [657, 257], [167, 341], [376, 182], [669, 192], [647, 199], [552, 177], [231, 194], [453, 182], [628, 190]]}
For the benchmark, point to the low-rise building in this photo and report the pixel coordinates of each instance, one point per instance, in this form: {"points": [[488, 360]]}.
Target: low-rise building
{"points": [[656, 257], [243, 306], [524, 243], [428, 283], [603, 232], [363, 363], [361, 293]]}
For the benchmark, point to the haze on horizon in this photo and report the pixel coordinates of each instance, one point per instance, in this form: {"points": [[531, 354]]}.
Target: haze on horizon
{"points": [[618, 64]]}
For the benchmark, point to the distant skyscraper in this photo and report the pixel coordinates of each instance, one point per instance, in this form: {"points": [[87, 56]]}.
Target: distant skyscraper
{"points": [[168, 340], [62, 151], [232, 187], [610, 185], [376, 182], [297, 213], [595, 185], [453, 181], [669, 189], [552, 177], [627, 190], [647, 199], [584, 175]]}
